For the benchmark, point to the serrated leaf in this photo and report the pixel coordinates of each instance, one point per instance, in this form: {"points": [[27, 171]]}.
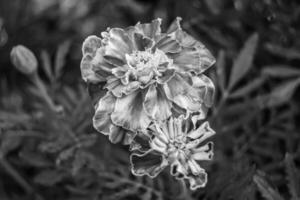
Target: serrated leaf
{"points": [[244, 60], [251, 86], [280, 71], [265, 189], [61, 54], [283, 93], [292, 177]]}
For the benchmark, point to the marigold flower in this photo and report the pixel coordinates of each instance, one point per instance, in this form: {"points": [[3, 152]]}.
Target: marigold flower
{"points": [[176, 144], [148, 75]]}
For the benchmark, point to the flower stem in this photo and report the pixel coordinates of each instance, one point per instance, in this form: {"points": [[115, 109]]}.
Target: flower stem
{"points": [[43, 91]]}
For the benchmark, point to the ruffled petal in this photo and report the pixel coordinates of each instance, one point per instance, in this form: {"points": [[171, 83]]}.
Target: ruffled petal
{"points": [[104, 108], [120, 72], [180, 91], [149, 163], [194, 56], [128, 138], [192, 59], [156, 103], [166, 76], [168, 45], [87, 72], [178, 111], [174, 26], [204, 152], [187, 40], [116, 86], [102, 65], [158, 132], [129, 112], [102, 121], [170, 129], [206, 87], [191, 171], [202, 133], [159, 145], [177, 170], [90, 45], [175, 31], [178, 125], [151, 30], [194, 167], [141, 42], [145, 78], [117, 44], [197, 181], [124, 73], [141, 142], [200, 115], [96, 91], [118, 134]]}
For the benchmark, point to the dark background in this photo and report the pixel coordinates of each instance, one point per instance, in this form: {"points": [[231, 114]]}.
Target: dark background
{"points": [[49, 156]]}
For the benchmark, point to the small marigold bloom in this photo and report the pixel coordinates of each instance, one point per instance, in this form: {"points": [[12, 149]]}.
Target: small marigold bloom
{"points": [[148, 76], [23, 59], [173, 143]]}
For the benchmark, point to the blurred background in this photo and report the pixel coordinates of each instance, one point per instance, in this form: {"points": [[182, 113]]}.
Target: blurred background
{"points": [[49, 150]]}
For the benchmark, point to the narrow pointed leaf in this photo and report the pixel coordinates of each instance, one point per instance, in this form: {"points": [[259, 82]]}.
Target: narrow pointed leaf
{"points": [[61, 54], [265, 189], [292, 177], [220, 67], [281, 71], [46, 65], [289, 53], [244, 60], [250, 87], [283, 93]]}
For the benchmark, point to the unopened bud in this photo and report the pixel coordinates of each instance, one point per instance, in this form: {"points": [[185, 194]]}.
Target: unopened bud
{"points": [[23, 59]]}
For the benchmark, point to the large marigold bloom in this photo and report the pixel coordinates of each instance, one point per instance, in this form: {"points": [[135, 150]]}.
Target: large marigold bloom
{"points": [[176, 144], [148, 76]]}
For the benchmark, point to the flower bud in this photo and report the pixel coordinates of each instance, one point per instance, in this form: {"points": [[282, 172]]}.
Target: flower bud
{"points": [[23, 59]]}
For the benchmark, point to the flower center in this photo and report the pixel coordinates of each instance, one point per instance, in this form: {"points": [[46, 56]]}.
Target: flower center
{"points": [[177, 149], [147, 65], [143, 59], [178, 144]]}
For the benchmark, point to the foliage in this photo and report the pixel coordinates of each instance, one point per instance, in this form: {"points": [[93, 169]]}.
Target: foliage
{"points": [[49, 150]]}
